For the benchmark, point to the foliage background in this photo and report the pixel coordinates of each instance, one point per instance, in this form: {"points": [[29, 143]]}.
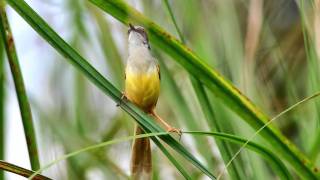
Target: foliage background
{"points": [[258, 45]]}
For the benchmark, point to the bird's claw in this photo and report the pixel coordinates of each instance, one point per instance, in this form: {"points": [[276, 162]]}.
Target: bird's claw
{"points": [[123, 97], [175, 130]]}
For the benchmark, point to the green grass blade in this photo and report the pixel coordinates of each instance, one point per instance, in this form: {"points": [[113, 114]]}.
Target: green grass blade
{"points": [[179, 102], [171, 158], [271, 121], [276, 164], [167, 5], [182, 110], [94, 147], [109, 48], [20, 171], [20, 89], [230, 95], [235, 169], [224, 148], [313, 70], [104, 144], [146, 122]]}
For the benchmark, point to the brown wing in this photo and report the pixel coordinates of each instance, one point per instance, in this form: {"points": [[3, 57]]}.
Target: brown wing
{"points": [[158, 68]]}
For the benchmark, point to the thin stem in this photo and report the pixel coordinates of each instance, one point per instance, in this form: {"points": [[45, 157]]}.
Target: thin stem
{"points": [[20, 171], [186, 113], [93, 147], [20, 89], [166, 2], [264, 126]]}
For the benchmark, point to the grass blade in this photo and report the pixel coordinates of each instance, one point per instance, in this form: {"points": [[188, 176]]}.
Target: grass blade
{"points": [[104, 144], [110, 50], [274, 161], [171, 158], [235, 169], [94, 147], [272, 120], [230, 95], [313, 63], [92, 74], [179, 102], [225, 150], [20, 89], [20, 171], [182, 110]]}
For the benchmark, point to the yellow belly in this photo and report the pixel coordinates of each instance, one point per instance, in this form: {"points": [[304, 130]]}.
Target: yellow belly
{"points": [[143, 89]]}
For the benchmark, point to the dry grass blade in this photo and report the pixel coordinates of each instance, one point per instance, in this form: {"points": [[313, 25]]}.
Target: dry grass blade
{"points": [[20, 171]]}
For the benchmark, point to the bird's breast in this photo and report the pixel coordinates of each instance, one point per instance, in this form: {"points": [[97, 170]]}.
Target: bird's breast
{"points": [[143, 87]]}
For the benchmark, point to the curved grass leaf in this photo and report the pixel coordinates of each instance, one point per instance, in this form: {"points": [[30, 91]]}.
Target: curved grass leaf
{"points": [[145, 121], [104, 144], [93, 147], [274, 161], [272, 120], [230, 95]]}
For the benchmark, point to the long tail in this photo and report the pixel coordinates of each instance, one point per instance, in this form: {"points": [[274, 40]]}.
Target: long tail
{"points": [[141, 162]]}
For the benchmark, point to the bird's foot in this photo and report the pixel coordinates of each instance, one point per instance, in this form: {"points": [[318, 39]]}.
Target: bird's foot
{"points": [[175, 130], [123, 97]]}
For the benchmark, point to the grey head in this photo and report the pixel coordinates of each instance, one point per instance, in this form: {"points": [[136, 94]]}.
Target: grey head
{"points": [[138, 36]]}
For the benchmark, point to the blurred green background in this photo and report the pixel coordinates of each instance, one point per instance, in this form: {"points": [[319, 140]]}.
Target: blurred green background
{"points": [[268, 49]]}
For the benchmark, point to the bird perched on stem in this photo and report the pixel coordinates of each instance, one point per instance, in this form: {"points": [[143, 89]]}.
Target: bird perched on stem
{"points": [[142, 87]]}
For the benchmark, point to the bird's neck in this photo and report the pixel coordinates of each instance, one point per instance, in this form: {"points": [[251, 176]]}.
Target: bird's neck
{"points": [[134, 46], [139, 51], [140, 59]]}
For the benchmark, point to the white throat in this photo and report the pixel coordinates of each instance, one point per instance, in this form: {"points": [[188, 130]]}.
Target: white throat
{"points": [[140, 59]]}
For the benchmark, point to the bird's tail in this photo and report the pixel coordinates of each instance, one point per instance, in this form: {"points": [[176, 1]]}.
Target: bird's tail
{"points": [[141, 162]]}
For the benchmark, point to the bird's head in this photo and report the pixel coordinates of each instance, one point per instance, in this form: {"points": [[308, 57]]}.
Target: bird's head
{"points": [[138, 36]]}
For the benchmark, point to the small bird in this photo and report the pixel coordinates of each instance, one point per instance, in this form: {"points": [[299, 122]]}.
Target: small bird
{"points": [[142, 87]]}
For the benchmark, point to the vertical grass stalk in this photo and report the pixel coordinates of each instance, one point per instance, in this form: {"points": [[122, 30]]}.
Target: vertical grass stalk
{"points": [[20, 88], [234, 170]]}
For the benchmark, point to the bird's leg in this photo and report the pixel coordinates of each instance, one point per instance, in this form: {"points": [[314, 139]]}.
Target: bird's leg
{"points": [[123, 97], [165, 124]]}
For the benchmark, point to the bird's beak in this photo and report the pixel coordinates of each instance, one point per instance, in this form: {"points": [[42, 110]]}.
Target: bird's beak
{"points": [[131, 27]]}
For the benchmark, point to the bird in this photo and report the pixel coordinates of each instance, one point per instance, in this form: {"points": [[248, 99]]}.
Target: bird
{"points": [[142, 87]]}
